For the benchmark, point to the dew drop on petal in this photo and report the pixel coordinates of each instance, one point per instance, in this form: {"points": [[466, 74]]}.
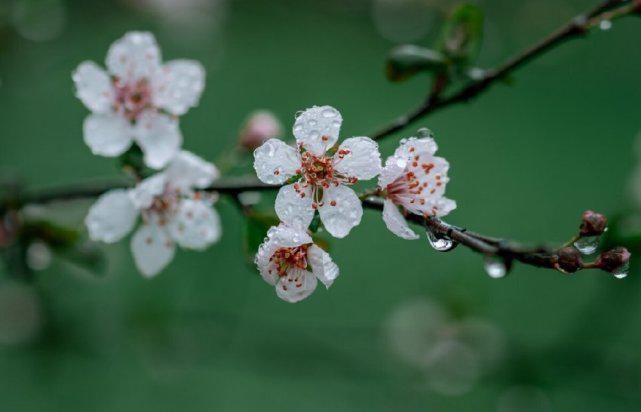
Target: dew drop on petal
{"points": [[440, 244], [587, 244], [424, 132], [622, 271], [495, 267]]}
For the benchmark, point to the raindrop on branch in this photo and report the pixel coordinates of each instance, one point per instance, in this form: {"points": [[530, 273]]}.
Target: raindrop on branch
{"points": [[622, 272], [587, 244], [605, 25], [439, 243], [495, 267]]}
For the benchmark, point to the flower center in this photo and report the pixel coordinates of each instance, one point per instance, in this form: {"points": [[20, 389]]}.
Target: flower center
{"points": [[132, 98], [290, 257], [319, 172], [163, 206]]}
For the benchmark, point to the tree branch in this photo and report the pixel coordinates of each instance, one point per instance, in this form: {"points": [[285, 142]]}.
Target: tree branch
{"points": [[576, 27]]}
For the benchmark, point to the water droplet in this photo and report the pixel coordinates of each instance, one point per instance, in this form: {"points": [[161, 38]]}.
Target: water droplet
{"points": [[605, 25], [495, 267], [329, 113], [401, 163], [424, 132], [440, 244], [587, 244], [312, 122], [622, 271]]}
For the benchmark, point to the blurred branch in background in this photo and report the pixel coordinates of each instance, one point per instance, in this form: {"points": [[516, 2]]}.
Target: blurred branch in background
{"points": [[431, 60]]}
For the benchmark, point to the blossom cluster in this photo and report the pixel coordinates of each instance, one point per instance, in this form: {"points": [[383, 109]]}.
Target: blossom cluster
{"points": [[138, 100], [316, 175]]}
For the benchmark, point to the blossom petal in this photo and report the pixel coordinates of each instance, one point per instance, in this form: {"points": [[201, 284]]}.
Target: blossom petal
{"points": [[178, 86], [144, 193], [278, 237], [341, 210], [396, 222], [296, 286], [159, 138], [294, 207], [107, 134], [323, 267], [152, 249], [134, 56], [187, 170], [358, 157], [275, 162], [196, 225], [93, 87], [393, 169], [111, 217], [317, 128]]}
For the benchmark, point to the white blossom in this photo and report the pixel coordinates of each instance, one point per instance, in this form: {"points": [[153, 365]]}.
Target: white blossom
{"points": [[137, 99], [414, 179], [172, 209], [322, 177], [292, 263]]}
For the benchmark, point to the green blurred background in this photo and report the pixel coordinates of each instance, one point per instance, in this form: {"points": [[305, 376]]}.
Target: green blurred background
{"points": [[404, 327]]}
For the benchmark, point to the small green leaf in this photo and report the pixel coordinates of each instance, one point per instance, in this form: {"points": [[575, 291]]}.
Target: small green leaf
{"points": [[87, 255], [407, 60], [313, 227], [463, 34]]}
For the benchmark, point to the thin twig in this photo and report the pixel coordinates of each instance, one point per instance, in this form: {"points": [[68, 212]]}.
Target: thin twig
{"points": [[576, 27]]}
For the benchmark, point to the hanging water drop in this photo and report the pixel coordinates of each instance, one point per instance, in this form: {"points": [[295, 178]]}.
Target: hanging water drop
{"points": [[605, 25], [587, 244], [424, 132], [622, 271], [440, 244], [495, 267]]}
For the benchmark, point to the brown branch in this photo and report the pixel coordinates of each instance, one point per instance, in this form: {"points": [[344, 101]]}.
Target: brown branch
{"points": [[576, 27]]}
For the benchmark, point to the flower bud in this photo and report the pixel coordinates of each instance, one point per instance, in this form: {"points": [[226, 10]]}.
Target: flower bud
{"points": [[613, 260], [259, 127], [592, 224], [569, 259]]}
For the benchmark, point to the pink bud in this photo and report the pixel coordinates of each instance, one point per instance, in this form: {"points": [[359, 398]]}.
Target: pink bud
{"points": [[593, 223], [613, 259], [569, 259], [259, 127]]}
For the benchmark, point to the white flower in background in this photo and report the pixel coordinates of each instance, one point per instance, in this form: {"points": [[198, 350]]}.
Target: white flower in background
{"points": [[290, 261], [414, 179], [323, 178], [138, 99], [172, 212]]}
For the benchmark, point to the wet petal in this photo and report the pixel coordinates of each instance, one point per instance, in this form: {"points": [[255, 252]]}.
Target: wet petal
{"points": [[111, 217], [134, 56], [187, 170], [178, 86], [296, 286], [341, 210], [159, 138], [394, 168], [93, 87], [317, 128], [107, 134], [144, 193], [152, 249], [275, 162], [196, 225], [278, 237], [323, 267], [358, 157], [294, 207], [396, 222]]}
